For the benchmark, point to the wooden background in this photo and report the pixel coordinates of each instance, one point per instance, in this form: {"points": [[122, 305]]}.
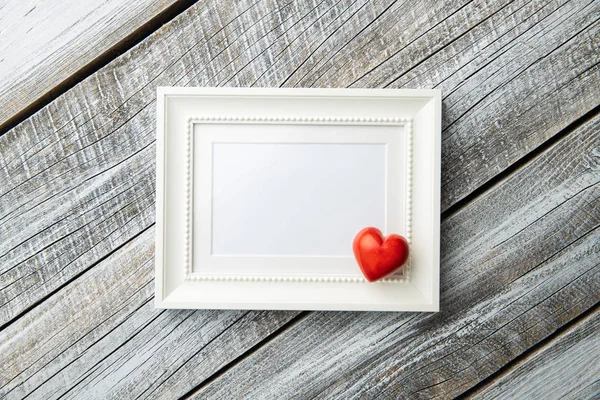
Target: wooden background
{"points": [[520, 271]]}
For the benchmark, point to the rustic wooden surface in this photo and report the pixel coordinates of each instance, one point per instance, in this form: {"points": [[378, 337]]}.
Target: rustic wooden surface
{"points": [[578, 377], [520, 280], [45, 44]]}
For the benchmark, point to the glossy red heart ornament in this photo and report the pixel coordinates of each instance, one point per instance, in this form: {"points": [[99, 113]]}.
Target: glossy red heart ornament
{"points": [[378, 257]]}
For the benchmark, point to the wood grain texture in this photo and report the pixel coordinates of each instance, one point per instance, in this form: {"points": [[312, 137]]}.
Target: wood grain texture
{"points": [[567, 368], [513, 74], [517, 263], [44, 42], [78, 175], [77, 186], [101, 337]]}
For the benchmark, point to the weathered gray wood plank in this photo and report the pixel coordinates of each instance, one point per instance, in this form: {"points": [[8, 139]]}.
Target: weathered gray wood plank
{"points": [[65, 202], [518, 262], [567, 368], [101, 337], [42, 43], [513, 74], [78, 177]]}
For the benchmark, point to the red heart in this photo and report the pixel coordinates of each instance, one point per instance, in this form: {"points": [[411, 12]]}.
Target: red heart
{"points": [[377, 257]]}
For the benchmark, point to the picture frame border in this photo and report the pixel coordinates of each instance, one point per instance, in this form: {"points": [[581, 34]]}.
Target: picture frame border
{"points": [[421, 293]]}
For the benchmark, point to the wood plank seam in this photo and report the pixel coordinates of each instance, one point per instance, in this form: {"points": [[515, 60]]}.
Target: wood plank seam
{"points": [[524, 69], [402, 48], [533, 154], [103, 336], [199, 350], [100, 338], [116, 349], [545, 214], [123, 244], [79, 274], [279, 55], [91, 117], [307, 58], [566, 326], [97, 63], [542, 148], [92, 122], [111, 232], [531, 352], [294, 321], [494, 40]]}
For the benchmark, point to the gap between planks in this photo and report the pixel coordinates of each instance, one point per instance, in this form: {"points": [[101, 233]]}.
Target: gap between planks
{"points": [[124, 45], [231, 364], [517, 165], [68, 282], [143, 32], [547, 342], [505, 174], [447, 214]]}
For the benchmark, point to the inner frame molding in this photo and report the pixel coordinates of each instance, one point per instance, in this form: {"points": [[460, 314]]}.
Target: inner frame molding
{"points": [[402, 276]]}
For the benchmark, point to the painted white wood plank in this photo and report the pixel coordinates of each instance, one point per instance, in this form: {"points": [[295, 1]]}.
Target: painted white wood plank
{"points": [[43, 42]]}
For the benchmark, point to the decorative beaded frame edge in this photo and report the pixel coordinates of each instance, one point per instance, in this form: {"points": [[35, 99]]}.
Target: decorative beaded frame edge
{"points": [[189, 275]]}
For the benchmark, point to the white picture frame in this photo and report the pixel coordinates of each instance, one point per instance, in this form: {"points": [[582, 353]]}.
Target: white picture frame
{"points": [[259, 190]]}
